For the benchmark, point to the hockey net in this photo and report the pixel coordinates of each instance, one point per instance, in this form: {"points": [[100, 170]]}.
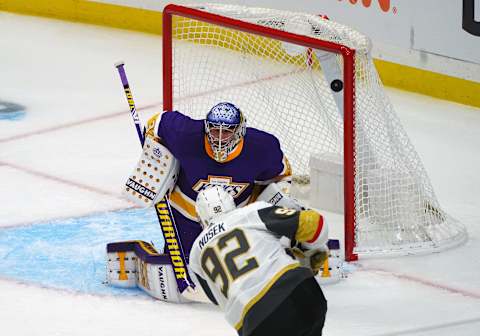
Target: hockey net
{"points": [[312, 83]]}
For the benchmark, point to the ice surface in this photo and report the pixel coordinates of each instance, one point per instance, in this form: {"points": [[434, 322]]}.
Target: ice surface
{"points": [[63, 163]]}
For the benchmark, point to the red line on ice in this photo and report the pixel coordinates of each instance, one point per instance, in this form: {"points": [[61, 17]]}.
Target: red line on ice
{"points": [[426, 282], [55, 218], [110, 116], [60, 180], [118, 114], [68, 125]]}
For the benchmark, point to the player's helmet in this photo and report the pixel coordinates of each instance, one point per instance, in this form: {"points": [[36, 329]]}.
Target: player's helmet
{"points": [[212, 202], [225, 127]]}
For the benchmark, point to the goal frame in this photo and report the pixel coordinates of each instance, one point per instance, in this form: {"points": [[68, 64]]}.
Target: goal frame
{"points": [[348, 55]]}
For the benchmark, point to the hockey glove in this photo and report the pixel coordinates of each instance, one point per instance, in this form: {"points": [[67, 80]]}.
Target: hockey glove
{"points": [[313, 259]]}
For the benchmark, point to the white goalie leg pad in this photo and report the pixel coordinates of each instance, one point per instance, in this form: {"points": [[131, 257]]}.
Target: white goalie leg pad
{"points": [[274, 193], [154, 175], [158, 280], [137, 264]]}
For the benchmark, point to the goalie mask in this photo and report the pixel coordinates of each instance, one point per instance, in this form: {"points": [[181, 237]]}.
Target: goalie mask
{"points": [[225, 127], [213, 202]]}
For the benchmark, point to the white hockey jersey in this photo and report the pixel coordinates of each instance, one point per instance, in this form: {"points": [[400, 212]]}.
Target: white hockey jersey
{"points": [[243, 267]]}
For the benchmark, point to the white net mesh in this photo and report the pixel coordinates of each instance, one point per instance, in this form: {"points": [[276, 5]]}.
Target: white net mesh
{"points": [[283, 89]]}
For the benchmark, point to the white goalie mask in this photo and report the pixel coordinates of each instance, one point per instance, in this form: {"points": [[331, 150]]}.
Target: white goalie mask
{"points": [[225, 127], [213, 202]]}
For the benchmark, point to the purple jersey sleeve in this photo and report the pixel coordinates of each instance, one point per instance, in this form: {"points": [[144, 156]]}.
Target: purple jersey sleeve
{"points": [[273, 162], [175, 128]]}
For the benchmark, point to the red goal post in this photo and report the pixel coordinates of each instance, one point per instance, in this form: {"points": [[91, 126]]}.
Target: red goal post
{"points": [[312, 83], [348, 80]]}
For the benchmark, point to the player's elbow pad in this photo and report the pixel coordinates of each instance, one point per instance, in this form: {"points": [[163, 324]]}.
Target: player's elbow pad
{"points": [[315, 230]]}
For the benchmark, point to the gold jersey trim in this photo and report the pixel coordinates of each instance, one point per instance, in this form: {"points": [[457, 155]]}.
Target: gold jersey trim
{"points": [[184, 204], [264, 290]]}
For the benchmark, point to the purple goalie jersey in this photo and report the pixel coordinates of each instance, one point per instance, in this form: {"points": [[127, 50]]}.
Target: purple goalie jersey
{"points": [[260, 161]]}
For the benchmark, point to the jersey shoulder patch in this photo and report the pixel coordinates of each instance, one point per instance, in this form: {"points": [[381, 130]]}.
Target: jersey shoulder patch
{"points": [[276, 212], [282, 221]]}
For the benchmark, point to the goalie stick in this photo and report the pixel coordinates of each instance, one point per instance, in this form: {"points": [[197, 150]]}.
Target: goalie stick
{"points": [[162, 208], [131, 103]]}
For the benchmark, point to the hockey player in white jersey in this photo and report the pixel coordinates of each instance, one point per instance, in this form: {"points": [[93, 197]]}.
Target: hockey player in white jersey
{"points": [[241, 264]]}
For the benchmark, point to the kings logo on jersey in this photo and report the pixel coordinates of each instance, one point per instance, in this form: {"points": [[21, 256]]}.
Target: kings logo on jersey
{"points": [[233, 188]]}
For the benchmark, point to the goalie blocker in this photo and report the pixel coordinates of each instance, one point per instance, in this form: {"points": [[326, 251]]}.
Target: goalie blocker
{"points": [[154, 176]]}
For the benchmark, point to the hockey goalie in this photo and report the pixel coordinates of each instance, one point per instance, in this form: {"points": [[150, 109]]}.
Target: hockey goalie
{"points": [[180, 158]]}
